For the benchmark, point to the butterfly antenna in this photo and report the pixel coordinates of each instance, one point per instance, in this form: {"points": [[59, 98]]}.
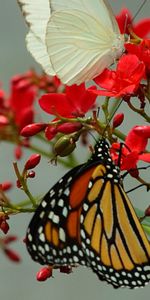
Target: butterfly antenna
{"points": [[139, 9]]}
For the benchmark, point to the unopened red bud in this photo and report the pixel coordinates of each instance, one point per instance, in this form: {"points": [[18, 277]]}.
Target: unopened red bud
{"points": [[26, 143], [32, 129], [18, 184], [44, 274], [18, 152], [4, 226], [32, 162], [6, 185], [3, 121], [147, 211], [64, 146], [66, 269], [142, 130], [69, 127], [50, 132], [31, 174], [117, 120], [12, 255], [9, 239]]}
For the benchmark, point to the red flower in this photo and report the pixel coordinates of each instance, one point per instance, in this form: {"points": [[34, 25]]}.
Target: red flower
{"points": [[141, 29], [23, 94], [124, 81], [133, 151], [75, 102], [142, 51]]}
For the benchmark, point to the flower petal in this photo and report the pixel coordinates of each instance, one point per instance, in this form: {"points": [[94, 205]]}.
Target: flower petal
{"points": [[135, 142]]}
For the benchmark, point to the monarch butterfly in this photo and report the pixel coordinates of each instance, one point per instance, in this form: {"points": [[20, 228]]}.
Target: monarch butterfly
{"points": [[87, 219]]}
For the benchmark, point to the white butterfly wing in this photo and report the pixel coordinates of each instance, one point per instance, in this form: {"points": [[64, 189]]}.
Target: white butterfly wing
{"points": [[37, 14], [100, 9], [74, 39], [80, 44]]}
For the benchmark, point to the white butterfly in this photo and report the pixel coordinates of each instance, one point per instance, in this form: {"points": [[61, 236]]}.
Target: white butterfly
{"points": [[73, 39]]}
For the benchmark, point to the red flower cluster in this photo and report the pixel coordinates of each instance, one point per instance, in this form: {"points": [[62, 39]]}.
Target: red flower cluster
{"points": [[17, 110], [123, 82], [23, 94], [75, 102]]}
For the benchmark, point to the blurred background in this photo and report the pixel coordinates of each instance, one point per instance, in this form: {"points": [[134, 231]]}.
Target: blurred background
{"points": [[17, 281]]}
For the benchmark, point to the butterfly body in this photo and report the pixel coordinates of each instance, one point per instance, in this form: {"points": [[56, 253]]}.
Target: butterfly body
{"points": [[87, 219]]}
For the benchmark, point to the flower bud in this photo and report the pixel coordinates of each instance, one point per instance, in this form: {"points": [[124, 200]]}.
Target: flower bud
{"points": [[4, 226], [44, 273], [69, 127], [12, 255], [18, 184], [32, 129], [50, 132], [31, 174], [9, 239], [26, 143], [118, 119], [6, 185], [32, 162], [18, 152], [64, 146]]}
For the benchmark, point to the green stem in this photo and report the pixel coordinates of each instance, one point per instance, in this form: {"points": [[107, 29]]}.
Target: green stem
{"points": [[119, 134], [141, 112], [27, 202], [24, 185], [114, 107], [40, 151]]}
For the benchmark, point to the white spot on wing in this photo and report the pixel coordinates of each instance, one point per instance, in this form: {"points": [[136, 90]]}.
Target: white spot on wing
{"points": [[61, 202], [56, 219], [67, 192], [53, 203], [51, 214], [65, 212], [43, 203], [30, 237], [42, 214], [42, 237], [62, 235]]}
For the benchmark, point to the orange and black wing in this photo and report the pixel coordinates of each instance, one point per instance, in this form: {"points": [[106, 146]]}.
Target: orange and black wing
{"points": [[112, 236], [53, 235]]}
